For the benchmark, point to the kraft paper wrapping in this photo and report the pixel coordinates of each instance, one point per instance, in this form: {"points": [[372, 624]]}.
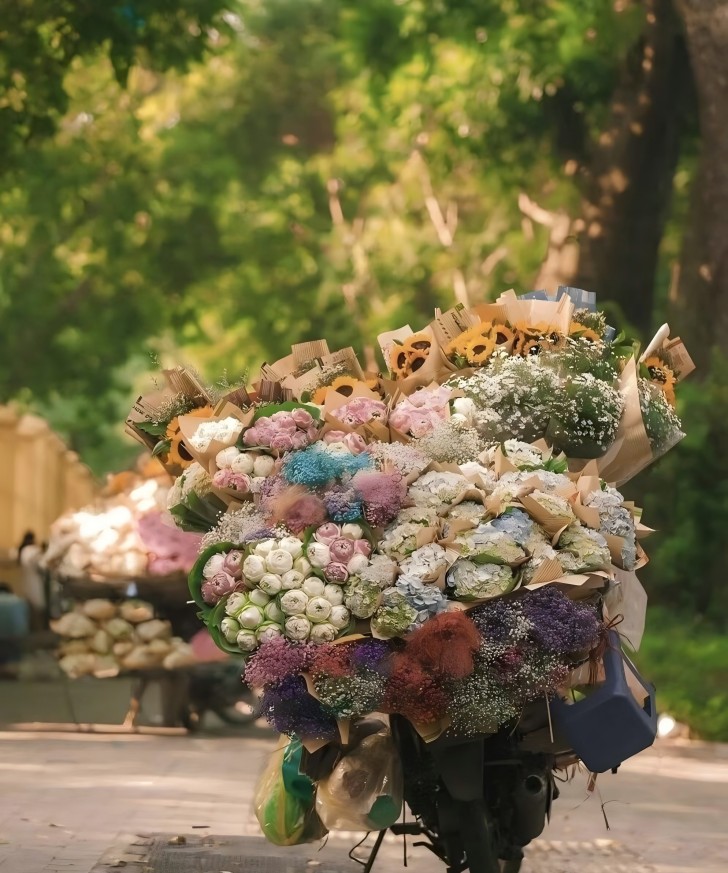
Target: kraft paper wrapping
{"points": [[628, 599], [188, 425], [631, 451], [555, 313], [181, 381]]}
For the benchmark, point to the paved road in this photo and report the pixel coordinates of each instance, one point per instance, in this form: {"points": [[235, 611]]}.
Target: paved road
{"points": [[66, 799]]}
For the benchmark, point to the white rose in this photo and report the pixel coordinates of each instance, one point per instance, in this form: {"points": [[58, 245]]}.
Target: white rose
{"points": [[278, 561], [357, 563], [243, 463], [263, 466], [225, 458], [265, 547], [254, 568], [298, 627], [313, 586], [323, 633], [250, 617], [292, 545], [318, 554], [270, 583], [247, 641], [291, 579], [334, 594], [273, 612], [294, 602], [339, 617], [213, 566], [352, 531], [318, 609], [259, 597], [236, 602], [302, 566], [230, 629]]}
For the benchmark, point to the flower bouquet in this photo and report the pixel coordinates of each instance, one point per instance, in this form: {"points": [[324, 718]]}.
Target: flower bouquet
{"points": [[445, 541]]}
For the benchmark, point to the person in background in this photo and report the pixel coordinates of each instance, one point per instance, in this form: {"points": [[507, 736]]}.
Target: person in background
{"points": [[34, 588], [14, 627]]}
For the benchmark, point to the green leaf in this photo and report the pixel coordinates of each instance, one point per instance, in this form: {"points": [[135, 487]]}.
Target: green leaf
{"points": [[162, 448], [286, 406], [153, 428]]}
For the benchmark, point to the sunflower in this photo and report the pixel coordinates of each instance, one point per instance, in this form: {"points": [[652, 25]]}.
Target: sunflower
{"points": [[578, 331], [399, 358], [478, 350], [663, 376], [554, 340], [418, 342], [408, 357], [178, 453], [504, 337], [343, 385]]}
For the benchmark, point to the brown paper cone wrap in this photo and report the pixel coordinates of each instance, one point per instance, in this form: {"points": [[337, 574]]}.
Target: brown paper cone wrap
{"points": [[554, 525], [627, 599]]}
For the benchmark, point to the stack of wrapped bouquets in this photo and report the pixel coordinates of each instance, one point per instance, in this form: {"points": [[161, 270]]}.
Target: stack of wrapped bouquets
{"points": [[444, 540]]}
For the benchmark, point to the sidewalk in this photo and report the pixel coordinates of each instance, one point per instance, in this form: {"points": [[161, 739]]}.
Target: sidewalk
{"points": [[68, 800]]}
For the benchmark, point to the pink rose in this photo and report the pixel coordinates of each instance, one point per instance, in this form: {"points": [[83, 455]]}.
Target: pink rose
{"points": [[362, 547], [327, 533], [341, 550], [336, 573], [302, 418]]}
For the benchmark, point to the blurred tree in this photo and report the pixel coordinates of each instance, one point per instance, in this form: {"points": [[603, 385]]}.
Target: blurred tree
{"points": [[41, 39]]}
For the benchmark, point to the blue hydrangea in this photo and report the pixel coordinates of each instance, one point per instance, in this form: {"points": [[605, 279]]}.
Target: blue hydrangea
{"points": [[315, 466], [428, 600], [516, 523]]}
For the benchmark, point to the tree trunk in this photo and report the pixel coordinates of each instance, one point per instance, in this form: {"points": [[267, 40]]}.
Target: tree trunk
{"points": [[631, 171], [701, 301]]}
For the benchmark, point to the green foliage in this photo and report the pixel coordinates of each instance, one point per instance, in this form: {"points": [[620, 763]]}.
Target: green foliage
{"points": [[686, 496], [687, 660]]}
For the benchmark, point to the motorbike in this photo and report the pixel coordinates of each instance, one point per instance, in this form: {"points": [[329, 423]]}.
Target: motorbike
{"points": [[216, 688]]}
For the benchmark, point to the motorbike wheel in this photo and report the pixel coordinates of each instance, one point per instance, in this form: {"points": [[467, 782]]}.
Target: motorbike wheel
{"points": [[243, 711]]}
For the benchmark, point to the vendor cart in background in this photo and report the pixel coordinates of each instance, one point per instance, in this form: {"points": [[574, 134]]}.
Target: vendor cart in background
{"points": [[123, 549]]}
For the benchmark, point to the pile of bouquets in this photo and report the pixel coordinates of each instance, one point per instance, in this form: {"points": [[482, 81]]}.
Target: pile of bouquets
{"points": [[444, 540]]}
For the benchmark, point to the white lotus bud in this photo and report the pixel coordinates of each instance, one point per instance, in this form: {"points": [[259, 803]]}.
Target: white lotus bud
{"points": [[334, 594], [302, 565], [273, 612], [250, 617], [318, 609], [323, 633], [318, 554], [340, 617], [352, 531], [247, 641], [291, 579], [279, 561], [294, 602], [313, 586], [213, 566], [298, 627], [254, 568], [263, 466], [237, 601], [292, 545], [230, 629], [259, 597], [270, 583]]}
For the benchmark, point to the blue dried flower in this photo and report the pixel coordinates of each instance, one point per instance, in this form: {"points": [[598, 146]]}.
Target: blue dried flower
{"points": [[315, 466]]}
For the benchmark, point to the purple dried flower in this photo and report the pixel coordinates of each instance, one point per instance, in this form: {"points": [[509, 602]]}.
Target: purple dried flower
{"points": [[290, 709], [558, 624], [276, 660], [371, 654]]}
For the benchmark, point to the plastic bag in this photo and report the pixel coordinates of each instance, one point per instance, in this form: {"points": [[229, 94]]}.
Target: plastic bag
{"points": [[364, 790], [284, 800]]}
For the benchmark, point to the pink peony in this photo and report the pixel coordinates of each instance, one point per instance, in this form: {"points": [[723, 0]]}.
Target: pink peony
{"points": [[302, 418], [335, 572], [282, 441], [341, 550], [233, 564], [362, 547], [228, 479], [217, 587], [300, 440]]}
